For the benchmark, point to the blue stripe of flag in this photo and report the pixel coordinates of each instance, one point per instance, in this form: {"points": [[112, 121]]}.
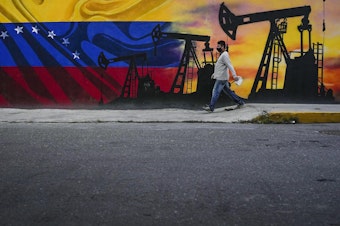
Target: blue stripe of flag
{"points": [[79, 43]]}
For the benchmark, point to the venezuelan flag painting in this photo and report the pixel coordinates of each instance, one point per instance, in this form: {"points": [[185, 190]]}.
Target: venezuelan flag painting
{"points": [[57, 62], [86, 52]]}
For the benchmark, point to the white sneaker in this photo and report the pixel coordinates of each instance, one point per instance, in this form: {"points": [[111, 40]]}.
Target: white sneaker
{"points": [[207, 108], [239, 106]]}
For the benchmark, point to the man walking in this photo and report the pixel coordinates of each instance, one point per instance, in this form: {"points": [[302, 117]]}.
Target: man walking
{"points": [[221, 74]]}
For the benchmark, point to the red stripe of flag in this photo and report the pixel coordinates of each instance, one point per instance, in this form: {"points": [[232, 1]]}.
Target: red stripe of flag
{"points": [[52, 86], [78, 76], [16, 75]]}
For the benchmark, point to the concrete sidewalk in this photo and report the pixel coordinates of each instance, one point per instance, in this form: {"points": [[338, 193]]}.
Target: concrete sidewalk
{"points": [[254, 112]]}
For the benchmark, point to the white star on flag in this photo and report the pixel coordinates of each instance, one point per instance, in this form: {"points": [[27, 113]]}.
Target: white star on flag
{"points": [[51, 34], [19, 30], [66, 41], [76, 55], [35, 30], [4, 34]]}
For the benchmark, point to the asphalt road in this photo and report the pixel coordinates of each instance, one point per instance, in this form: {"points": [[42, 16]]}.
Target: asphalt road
{"points": [[169, 174]]}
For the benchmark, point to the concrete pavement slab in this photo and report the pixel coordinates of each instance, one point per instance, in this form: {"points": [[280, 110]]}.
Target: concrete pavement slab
{"points": [[304, 113]]}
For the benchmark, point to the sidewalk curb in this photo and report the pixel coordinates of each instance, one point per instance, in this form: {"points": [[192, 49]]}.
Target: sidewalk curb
{"points": [[298, 117], [252, 113]]}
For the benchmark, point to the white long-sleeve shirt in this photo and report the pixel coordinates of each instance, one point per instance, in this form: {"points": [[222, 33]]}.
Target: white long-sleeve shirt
{"points": [[222, 67]]}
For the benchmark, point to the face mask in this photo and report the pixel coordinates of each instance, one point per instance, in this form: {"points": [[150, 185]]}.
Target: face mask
{"points": [[219, 50]]}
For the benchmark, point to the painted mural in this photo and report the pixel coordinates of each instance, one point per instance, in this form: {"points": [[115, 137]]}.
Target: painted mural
{"points": [[91, 52]]}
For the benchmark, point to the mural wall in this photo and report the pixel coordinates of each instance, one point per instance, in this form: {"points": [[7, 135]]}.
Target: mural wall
{"points": [[89, 52]]}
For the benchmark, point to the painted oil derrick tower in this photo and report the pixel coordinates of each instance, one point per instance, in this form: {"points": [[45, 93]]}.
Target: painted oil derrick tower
{"points": [[302, 80], [134, 84], [185, 72]]}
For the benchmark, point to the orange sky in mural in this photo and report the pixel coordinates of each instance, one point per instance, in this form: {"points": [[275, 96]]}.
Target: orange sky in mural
{"points": [[200, 17], [246, 51]]}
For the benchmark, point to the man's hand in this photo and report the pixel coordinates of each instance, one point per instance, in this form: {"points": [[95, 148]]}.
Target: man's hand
{"points": [[236, 78]]}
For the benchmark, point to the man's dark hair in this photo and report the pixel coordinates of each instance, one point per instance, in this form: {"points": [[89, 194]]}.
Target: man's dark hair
{"points": [[222, 43]]}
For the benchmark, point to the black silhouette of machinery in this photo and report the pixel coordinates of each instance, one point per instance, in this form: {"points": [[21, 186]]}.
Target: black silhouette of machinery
{"points": [[134, 85], [188, 56], [301, 79]]}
